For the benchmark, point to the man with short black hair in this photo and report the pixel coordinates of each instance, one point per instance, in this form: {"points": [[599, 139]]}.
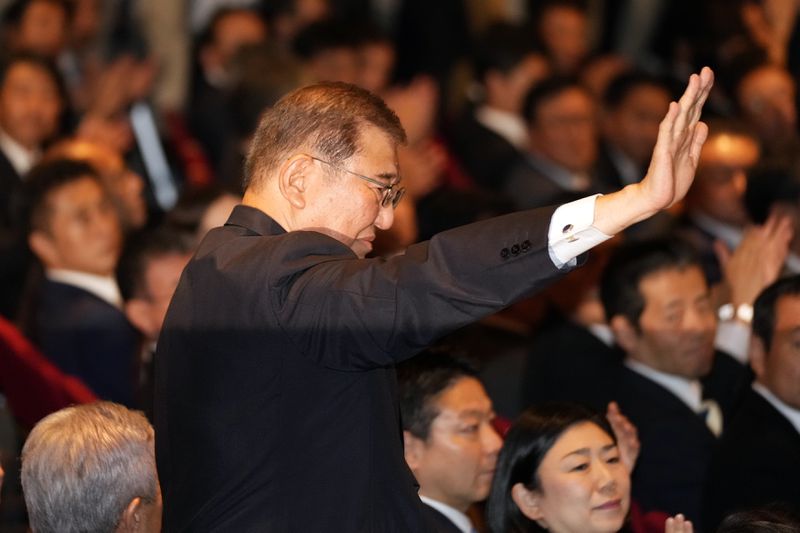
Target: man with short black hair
{"points": [[92, 468], [673, 386], [75, 313], [757, 461], [449, 441]]}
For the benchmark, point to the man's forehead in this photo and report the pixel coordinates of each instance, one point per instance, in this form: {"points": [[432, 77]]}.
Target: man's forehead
{"points": [[465, 397]]}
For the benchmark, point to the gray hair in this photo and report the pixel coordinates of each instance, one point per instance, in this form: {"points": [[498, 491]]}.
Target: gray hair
{"points": [[326, 118], [82, 466]]}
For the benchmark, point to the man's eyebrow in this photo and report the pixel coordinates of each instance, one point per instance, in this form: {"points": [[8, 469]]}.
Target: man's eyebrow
{"points": [[392, 177]]}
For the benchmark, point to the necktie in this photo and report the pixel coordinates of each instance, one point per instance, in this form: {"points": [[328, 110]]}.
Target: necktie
{"points": [[712, 414]]}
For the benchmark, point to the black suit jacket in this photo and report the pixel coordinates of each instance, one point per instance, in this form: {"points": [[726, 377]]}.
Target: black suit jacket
{"points": [[486, 156], [439, 522], [15, 258], [670, 473], [757, 462], [276, 405], [86, 337]]}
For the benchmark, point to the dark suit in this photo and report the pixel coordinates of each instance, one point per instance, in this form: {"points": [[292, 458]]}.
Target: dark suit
{"points": [[86, 337], [486, 156], [756, 462], [670, 473], [565, 363], [15, 258], [439, 522], [276, 404]]}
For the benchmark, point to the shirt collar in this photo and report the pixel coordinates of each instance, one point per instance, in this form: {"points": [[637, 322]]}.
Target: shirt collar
{"points": [[731, 235], [509, 126], [790, 413], [459, 519], [20, 157], [563, 177], [104, 287], [689, 391]]}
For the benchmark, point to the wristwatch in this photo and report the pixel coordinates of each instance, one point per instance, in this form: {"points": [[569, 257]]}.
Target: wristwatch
{"points": [[742, 312]]}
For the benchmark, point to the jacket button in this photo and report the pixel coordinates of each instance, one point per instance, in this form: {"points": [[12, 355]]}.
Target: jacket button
{"points": [[515, 249], [526, 245], [504, 253]]}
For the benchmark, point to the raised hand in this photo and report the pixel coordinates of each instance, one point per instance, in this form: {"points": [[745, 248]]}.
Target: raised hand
{"points": [[678, 524], [626, 434], [680, 138]]}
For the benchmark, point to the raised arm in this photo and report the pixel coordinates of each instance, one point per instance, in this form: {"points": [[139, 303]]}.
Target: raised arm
{"points": [[680, 138]]}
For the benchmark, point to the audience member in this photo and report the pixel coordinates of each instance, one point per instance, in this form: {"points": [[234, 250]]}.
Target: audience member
{"points": [[148, 272], [757, 460], [229, 31], [715, 209], [563, 31], [123, 184], [770, 519], [633, 105], [198, 211], [448, 438], [328, 52], [376, 59], [30, 105], [765, 97], [674, 388], [491, 137], [92, 468], [37, 26], [560, 165], [75, 313], [559, 470]]}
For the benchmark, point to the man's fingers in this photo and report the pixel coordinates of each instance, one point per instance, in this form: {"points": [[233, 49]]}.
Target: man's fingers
{"points": [[685, 105]]}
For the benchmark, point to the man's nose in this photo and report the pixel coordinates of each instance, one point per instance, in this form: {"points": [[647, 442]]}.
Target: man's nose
{"points": [[385, 217]]}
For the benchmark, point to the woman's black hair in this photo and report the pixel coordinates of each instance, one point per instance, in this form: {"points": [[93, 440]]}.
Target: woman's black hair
{"points": [[527, 442]]}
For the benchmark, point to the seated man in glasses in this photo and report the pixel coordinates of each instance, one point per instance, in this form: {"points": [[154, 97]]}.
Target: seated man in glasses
{"points": [[276, 407]]}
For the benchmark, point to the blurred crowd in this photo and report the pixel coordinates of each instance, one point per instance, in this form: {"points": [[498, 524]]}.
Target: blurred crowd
{"points": [[125, 125]]}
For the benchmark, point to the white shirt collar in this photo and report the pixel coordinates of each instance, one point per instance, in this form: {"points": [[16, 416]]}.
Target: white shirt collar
{"points": [[689, 391], [459, 519], [20, 157], [509, 126], [578, 182], [603, 332], [104, 287], [730, 235], [790, 413]]}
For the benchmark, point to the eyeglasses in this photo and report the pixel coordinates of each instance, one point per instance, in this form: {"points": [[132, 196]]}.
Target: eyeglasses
{"points": [[390, 194]]}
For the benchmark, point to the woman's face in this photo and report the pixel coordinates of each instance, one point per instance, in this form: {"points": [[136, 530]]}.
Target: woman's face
{"points": [[584, 488]]}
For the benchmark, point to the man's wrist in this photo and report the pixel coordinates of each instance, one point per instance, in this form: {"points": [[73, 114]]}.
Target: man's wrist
{"points": [[741, 312]]}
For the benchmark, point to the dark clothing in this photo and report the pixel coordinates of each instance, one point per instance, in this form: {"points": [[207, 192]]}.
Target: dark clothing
{"points": [[440, 523], [486, 156], [757, 462], [565, 364], [15, 258], [86, 337], [671, 470], [276, 405]]}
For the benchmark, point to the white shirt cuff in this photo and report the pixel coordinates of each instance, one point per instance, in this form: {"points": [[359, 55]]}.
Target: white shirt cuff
{"points": [[571, 231], [733, 338]]}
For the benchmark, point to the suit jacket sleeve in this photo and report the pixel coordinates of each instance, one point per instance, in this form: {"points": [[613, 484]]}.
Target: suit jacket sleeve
{"points": [[355, 314]]}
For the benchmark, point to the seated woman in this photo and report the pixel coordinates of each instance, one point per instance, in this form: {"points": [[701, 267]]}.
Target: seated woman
{"points": [[560, 470]]}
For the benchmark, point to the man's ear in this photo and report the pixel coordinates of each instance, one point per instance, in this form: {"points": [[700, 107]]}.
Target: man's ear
{"points": [[758, 356], [131, 518], [528, 501], [293, 179], [624, 333], [413, 449], [43, 247]]}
